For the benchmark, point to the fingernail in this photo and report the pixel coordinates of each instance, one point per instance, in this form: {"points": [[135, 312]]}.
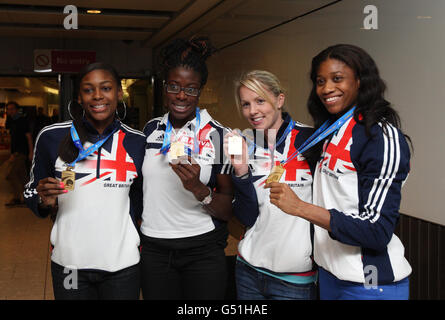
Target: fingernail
{"points": [[62, 185], [65, 191]]}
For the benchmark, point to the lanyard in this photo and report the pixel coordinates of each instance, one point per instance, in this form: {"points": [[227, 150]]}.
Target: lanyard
{"points": [[76, 138], [325, 130], [251, 145], [83, 153], [289, 128], [167, 136]]}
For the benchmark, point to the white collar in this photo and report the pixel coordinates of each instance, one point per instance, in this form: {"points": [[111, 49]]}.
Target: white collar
{"points": [[205, 118]]}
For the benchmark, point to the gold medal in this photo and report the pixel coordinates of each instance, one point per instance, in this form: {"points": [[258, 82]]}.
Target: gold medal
{"points": [[276, 174], [176, 150], [68, 178]]}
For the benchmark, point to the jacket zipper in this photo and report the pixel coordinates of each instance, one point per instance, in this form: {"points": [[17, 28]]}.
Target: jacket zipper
{"points": [[99, 151]]}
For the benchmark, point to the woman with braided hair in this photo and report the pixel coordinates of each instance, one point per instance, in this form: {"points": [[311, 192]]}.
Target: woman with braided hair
{"points": [[187, 186]]}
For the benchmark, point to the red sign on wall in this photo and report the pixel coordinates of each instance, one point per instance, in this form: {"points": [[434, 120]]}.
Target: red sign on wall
{"points": [[47, 60], [71, 61]]}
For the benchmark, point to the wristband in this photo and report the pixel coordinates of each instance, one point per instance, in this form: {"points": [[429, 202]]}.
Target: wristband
{"points": [[207, 199], [244, 176]]}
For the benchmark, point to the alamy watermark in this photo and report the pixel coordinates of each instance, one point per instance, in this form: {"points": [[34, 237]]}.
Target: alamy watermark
{"points": [[71, 20], [70, 282], [371, 277], [371, 20]]}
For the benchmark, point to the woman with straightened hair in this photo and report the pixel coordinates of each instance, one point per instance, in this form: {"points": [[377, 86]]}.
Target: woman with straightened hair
{"points": [[187, 185], [362, 162], [275, 254], [87, 172]]}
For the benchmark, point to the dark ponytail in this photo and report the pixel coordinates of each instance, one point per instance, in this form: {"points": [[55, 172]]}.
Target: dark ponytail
{"points": [[191, 54]]}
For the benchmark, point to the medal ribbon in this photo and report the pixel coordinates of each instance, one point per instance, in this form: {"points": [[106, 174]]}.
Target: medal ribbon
{"points": [[76, 138], [320, 134], [252, 145], [166, 143], [167, 136], [83, 153], [289, 128]]}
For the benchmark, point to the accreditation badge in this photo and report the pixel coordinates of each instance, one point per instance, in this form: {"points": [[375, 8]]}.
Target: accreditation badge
{"points": [[68, 178], [275, 175]]}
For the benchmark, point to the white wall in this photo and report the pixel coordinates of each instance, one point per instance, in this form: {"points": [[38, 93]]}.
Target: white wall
{"points": [[410, 53]]}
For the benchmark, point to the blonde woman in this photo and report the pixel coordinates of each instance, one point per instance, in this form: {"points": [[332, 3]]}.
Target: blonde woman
{"points": [[275, 255]]}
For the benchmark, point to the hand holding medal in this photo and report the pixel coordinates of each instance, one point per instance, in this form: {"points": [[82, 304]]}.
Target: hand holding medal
{"points": [[283, 197], [275, 175], [235, 148], [188, 171], [49, 189]]}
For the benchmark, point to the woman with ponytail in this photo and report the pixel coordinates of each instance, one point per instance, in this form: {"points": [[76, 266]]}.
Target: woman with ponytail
{"points": [[187, 186], [87, 173]]}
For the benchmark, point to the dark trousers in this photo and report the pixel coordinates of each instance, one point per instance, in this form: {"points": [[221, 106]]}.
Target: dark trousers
{"points": [[195, 274], [72, 284]]}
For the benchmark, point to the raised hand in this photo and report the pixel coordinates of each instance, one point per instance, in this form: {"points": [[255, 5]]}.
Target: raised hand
{"points": [[239, 162], [188, 170], [49, 189], [284, 197]]}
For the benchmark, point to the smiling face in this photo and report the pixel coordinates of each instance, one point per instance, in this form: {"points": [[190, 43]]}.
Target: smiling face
{"points": [[336, 86], [99, 94], [181, 106], [261, 113]]}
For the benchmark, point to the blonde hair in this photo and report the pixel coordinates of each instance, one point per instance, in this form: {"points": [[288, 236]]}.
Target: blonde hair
{"points": [[259, 81]]}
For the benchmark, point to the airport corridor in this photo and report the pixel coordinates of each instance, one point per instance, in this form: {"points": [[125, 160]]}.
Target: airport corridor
{"points": [[25, 272]]}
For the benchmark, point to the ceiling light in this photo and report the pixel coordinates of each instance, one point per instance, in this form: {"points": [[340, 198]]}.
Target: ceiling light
{"points": [[51, 90], [94, 11], [43, 70]]}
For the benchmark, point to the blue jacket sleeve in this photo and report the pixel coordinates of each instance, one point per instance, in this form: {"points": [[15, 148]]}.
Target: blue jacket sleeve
{"points": [[136, 200], [245, 205], [135, 145], [42, 167], [382, 164]]}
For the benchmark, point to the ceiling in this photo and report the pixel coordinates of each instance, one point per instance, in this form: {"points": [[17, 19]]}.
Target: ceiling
{"points": [[150, 22]]}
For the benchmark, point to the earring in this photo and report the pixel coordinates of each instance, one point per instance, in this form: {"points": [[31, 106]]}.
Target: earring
{"points": [[69, 111], [125, 112]]}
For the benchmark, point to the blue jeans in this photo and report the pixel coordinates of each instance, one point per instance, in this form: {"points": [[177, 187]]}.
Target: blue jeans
{"points": [[95, 284], [332, 288], [254, 285]]}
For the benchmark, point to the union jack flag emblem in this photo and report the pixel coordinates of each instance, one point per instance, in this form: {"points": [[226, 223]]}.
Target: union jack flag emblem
{"points": [[115, 165], [337, 156]]}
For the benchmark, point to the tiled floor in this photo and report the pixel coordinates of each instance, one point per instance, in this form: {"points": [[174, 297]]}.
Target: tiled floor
{"points": [[25, 252]]}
